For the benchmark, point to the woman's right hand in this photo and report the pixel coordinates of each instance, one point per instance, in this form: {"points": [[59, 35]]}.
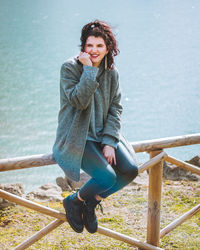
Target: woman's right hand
{"points": [[84, 58], [109, 154]]}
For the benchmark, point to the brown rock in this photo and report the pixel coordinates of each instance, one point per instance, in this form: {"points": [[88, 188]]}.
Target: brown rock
{"points": [[172, 172], [14, 188], [63, 184], [195, 161], [45, 193], [67, 184]]}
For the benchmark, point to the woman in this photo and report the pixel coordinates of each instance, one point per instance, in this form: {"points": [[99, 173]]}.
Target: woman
{"points": [[88, 133]]}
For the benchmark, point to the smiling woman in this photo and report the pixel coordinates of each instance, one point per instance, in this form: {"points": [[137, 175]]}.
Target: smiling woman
{"points": [[100, 33], [89, 123], [95, 50]]}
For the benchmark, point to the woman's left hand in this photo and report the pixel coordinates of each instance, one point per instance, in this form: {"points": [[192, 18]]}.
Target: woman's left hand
{"points": [[109, 154]]}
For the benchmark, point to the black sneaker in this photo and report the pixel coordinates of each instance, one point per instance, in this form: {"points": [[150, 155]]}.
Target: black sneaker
{"points": [[89, 216], [74, 210]]}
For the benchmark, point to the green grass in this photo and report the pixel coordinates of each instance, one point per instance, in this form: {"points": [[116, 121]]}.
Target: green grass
{"points": [[124, 212]]}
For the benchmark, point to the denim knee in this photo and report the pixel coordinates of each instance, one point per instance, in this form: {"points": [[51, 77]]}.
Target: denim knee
{"points": [[133, 171]]}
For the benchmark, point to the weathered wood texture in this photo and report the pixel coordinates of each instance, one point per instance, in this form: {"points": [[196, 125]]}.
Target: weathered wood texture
{"points": [[61, 216], [168, 142], [179, 221], [26, 162], [155, 160], [154, 201], [125, 238], [182, 164]]}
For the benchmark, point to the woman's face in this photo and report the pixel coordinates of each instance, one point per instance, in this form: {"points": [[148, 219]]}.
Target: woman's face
{"points": [[96, 48]]}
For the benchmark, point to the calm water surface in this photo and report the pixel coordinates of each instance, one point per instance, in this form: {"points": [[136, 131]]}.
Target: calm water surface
{"points": [[159, 72]]}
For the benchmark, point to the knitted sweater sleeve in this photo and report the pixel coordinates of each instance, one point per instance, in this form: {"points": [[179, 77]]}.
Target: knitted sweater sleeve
{"points": [[78, 91], [112, 126]]}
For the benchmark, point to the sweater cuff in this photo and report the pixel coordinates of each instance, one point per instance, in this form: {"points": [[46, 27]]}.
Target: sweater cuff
{"points": [[91, 72], [109, 140]]}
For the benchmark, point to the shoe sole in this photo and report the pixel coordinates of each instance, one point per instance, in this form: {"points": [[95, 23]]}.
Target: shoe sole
{"points": [[68, 220]]}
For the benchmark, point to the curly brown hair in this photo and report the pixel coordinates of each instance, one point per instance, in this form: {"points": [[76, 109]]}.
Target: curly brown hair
{"points": [[101, 29]]}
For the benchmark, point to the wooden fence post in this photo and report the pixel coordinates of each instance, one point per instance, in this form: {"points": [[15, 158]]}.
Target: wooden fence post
{"points": [[154, 201]]}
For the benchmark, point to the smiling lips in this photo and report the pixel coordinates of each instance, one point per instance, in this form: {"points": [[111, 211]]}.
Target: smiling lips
{"points": [[94, 55]]}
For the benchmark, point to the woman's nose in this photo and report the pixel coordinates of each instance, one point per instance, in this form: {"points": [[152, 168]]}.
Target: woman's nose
{"points": [[94, 49]]}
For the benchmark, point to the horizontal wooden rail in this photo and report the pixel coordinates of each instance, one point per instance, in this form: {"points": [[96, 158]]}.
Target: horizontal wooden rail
{"points": [[141, 146], [179, 221], [167, 142], [61, 216], [37, 236], [26, 162], [182, 164]]}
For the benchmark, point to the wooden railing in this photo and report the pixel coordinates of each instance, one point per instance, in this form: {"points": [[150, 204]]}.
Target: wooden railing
{"points": [[155, 166]]}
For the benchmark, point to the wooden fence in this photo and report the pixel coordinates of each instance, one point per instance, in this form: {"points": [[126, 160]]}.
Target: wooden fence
{"points": [[155, 166]]}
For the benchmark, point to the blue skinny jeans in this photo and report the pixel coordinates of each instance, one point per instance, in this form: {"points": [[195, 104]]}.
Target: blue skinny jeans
{"points": [[106, 179]]}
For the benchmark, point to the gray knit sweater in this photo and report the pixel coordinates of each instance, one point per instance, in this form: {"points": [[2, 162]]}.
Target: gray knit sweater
{"points": [[78, 92]]}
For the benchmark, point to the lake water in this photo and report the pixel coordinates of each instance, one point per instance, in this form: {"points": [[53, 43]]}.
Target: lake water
{"points": [[159, 67]]}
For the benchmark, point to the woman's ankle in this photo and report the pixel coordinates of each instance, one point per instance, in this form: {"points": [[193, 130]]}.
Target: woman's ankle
{"points": [[98, 198], [79, 197]]}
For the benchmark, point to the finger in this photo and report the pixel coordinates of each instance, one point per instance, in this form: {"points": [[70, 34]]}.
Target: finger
{"points": [[114, 158], [111, 161], [107, 159], [85, 53]]}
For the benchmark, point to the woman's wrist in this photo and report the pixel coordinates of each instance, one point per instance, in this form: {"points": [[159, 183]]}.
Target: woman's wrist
{"points": [[90, 71], [108, 146], [109, 140]]}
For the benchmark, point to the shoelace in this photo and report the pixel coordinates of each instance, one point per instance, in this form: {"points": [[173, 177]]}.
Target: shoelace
{"points": [[91, 207], [99, 206]]}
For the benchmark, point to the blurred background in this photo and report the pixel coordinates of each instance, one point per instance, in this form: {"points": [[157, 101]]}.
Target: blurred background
{"points": [[159, 65]]}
